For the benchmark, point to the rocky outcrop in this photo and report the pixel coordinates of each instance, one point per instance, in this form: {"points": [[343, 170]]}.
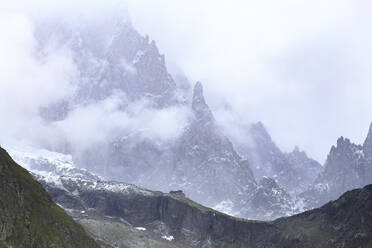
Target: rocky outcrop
{"points": [[339, 223], [294, 171], [270, 201], [306, 169], [202, 161], [117, 60], [348, 166], [28, 217], [367, 145], [206, 161]]}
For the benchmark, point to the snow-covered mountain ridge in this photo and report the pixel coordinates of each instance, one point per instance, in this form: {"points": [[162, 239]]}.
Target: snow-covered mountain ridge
{"points": [[58, 171]]}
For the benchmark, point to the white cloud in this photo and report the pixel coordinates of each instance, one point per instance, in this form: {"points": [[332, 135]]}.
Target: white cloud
{"points": [[28, 79], [102, 121]]}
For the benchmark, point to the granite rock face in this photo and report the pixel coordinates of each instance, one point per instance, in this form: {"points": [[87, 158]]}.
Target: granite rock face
{"points": [[270, 201], [206, 161], [293, 171], [306, 169], [348, 166], [116, 60], [202, 161]]}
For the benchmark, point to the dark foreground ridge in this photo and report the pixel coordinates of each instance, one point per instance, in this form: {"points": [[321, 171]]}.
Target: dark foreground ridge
{"points": [[126, 216], [28, 216], [346, 222]]}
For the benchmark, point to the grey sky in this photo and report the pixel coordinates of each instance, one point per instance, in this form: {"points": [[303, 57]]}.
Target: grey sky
{"points": [[301, 67]]}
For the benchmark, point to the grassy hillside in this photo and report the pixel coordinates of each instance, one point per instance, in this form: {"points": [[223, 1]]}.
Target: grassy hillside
{"points": [[28, 216]]}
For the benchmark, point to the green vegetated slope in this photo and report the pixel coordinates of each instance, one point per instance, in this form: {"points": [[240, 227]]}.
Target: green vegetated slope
{"points": [[28, 216], [346, 222]]}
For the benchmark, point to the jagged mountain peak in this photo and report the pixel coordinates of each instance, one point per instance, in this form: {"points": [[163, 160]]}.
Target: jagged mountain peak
{"points": [[294, 171], [198, 90], [342, 141], [268, 182], [117, 59], [198, 96], [298, 153], [367, 145], [259, 130], [199, 106], [346, 167], [260, 126], [270, 200], [344, 148], [296, 149]]}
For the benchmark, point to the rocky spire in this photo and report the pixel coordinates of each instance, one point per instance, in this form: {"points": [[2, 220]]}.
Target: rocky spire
{"points": [[367, 146], [260, 133], [199, 106], [198, 96]]}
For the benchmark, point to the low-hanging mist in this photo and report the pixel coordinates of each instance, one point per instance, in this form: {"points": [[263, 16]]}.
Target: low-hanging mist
{"points": [[37, 75]]}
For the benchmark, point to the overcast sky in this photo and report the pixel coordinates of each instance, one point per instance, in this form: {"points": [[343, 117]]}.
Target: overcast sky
{"points": [[301, 67]]}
